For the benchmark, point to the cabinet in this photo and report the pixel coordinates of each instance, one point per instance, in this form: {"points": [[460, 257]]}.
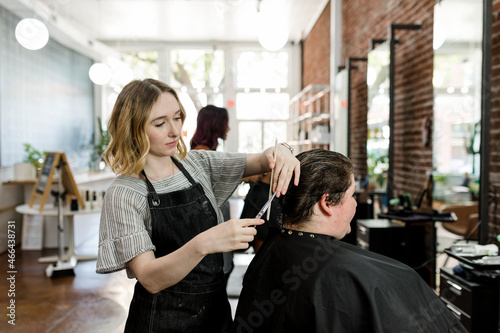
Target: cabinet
{"points": [[380, 236], [474, 300], [309, 124], [402, 242]]}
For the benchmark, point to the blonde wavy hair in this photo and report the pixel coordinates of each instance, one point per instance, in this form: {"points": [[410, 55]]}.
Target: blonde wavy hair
{"points": [[129, 145]]}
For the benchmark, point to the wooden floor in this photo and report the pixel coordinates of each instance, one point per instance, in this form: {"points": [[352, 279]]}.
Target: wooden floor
{"points": [[86, 302]]}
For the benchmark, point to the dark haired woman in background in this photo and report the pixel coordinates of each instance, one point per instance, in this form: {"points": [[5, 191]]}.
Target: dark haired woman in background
{"points": [[212, 124]]}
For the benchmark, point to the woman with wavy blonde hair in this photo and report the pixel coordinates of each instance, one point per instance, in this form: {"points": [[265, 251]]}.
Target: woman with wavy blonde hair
{"points": [[161, 217], [129, 118]]}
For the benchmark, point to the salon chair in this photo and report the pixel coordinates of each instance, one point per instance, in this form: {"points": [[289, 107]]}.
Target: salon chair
{"points": [[466, 225]]}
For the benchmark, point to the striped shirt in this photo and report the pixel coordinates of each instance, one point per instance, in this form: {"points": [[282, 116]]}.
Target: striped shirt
{"points": [[125, 226]]}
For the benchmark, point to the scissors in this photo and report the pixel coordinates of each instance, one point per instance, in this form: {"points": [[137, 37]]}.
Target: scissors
{"points": [[265, 207], [272, 177]]}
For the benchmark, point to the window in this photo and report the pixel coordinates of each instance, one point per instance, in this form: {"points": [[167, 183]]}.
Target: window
{"points": [[261, 99], [198, 69], [198, 76], [262, 70]]}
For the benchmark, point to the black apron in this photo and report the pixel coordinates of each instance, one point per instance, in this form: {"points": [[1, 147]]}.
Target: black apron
{"points": [[198, 303]]}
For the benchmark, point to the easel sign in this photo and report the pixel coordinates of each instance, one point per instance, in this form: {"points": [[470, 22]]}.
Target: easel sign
{"points": [[43, 184]]}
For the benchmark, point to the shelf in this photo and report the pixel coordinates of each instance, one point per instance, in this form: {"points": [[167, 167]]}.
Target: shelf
{"points": [[411, 216], [471, 262], [314, 91], [314, 117], [309, 124]]}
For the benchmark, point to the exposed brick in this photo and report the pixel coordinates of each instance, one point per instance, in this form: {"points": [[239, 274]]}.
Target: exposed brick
{"points": [[364, 20]]}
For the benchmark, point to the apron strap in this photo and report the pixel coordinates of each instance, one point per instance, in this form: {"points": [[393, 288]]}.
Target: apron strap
{"points": [[184, 171], [151, 189]]}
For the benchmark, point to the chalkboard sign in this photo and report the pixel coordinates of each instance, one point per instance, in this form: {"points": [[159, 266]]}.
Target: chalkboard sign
{"points": [[46, 173], [45, 179]]}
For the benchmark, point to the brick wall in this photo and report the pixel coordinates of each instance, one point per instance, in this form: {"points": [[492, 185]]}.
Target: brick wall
{"points": [[364, 20], [359, 107], [316, 52]]}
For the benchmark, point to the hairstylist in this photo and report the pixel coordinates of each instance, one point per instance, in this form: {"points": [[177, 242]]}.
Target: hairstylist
{"points": [[161, 219]]}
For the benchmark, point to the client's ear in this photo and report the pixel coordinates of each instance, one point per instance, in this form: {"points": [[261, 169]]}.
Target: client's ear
{"points": [[324, 205]]}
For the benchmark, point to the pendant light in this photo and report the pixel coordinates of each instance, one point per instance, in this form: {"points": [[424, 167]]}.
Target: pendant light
{"points": [[272, 33], [32, 33], [100, 73]]}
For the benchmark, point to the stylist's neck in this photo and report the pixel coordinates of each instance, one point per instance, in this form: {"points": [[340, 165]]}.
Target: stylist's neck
{"points": [[157, 165]]}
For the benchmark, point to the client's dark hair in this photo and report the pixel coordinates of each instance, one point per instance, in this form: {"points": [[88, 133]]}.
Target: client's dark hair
{"points": [[321, 172]]}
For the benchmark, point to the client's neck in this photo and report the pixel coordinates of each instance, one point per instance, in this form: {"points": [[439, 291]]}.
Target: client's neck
{"points": [[309, 226]]}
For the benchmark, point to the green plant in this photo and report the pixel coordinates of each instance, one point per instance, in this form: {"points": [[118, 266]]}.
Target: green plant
{"points": [[33, 156], [474, 131], [101, 143], [440, 178], [377, 168]]}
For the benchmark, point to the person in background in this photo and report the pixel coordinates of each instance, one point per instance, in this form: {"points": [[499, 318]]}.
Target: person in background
{"points": [[161, 218], [212, 124], [465, 180], [306, 280]]}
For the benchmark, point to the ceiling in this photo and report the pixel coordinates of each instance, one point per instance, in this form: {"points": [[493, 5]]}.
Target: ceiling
{"points": [[91, 26], [127, 21]]}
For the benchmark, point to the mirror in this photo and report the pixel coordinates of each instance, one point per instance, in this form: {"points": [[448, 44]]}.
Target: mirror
{"points": [[457, 77], [377, 147], [341, 113]]}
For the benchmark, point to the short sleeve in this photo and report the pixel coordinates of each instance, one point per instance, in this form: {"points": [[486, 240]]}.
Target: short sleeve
{"points": [[123, 230], [225, 171]]}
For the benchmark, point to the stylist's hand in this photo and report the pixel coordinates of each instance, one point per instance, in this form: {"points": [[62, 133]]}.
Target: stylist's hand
{"points": [[286, 166], [229, 236]]}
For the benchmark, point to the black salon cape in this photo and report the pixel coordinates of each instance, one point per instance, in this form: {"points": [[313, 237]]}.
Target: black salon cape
{"points": [[297, 283]]}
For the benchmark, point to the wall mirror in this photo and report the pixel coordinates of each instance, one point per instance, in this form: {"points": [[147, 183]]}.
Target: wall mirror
{"points": [[458, 108], [377, 146], [458, 33], [341, 113]]}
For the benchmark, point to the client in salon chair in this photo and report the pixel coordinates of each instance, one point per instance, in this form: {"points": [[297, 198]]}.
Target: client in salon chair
{"points": [[305, 280]]}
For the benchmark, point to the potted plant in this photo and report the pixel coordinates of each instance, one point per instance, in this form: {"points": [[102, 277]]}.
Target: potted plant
{"points": [[28, 169], [100, 145]]}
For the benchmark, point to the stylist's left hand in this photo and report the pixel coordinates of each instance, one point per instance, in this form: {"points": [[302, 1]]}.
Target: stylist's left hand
{"points": [[286, 166]]}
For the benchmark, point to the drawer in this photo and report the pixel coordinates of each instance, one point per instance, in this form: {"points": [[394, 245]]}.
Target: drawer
{"points": [[456, 293], [464, 318], [362, 244], [363, 234], [475, 300]]}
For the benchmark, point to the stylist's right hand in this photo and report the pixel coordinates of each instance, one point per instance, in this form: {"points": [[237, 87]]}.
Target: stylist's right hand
{"points": [[230, 235]]}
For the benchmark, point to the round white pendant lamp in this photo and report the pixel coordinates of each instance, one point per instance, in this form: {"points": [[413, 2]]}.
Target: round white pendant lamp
{"points": [[100, 73], [272, 33], [32, 33]]}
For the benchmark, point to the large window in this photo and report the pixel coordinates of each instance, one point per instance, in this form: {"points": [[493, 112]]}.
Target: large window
{"points": [[262, 70], [261, 99], [256, 94], [198, 75], [197, 68]]}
